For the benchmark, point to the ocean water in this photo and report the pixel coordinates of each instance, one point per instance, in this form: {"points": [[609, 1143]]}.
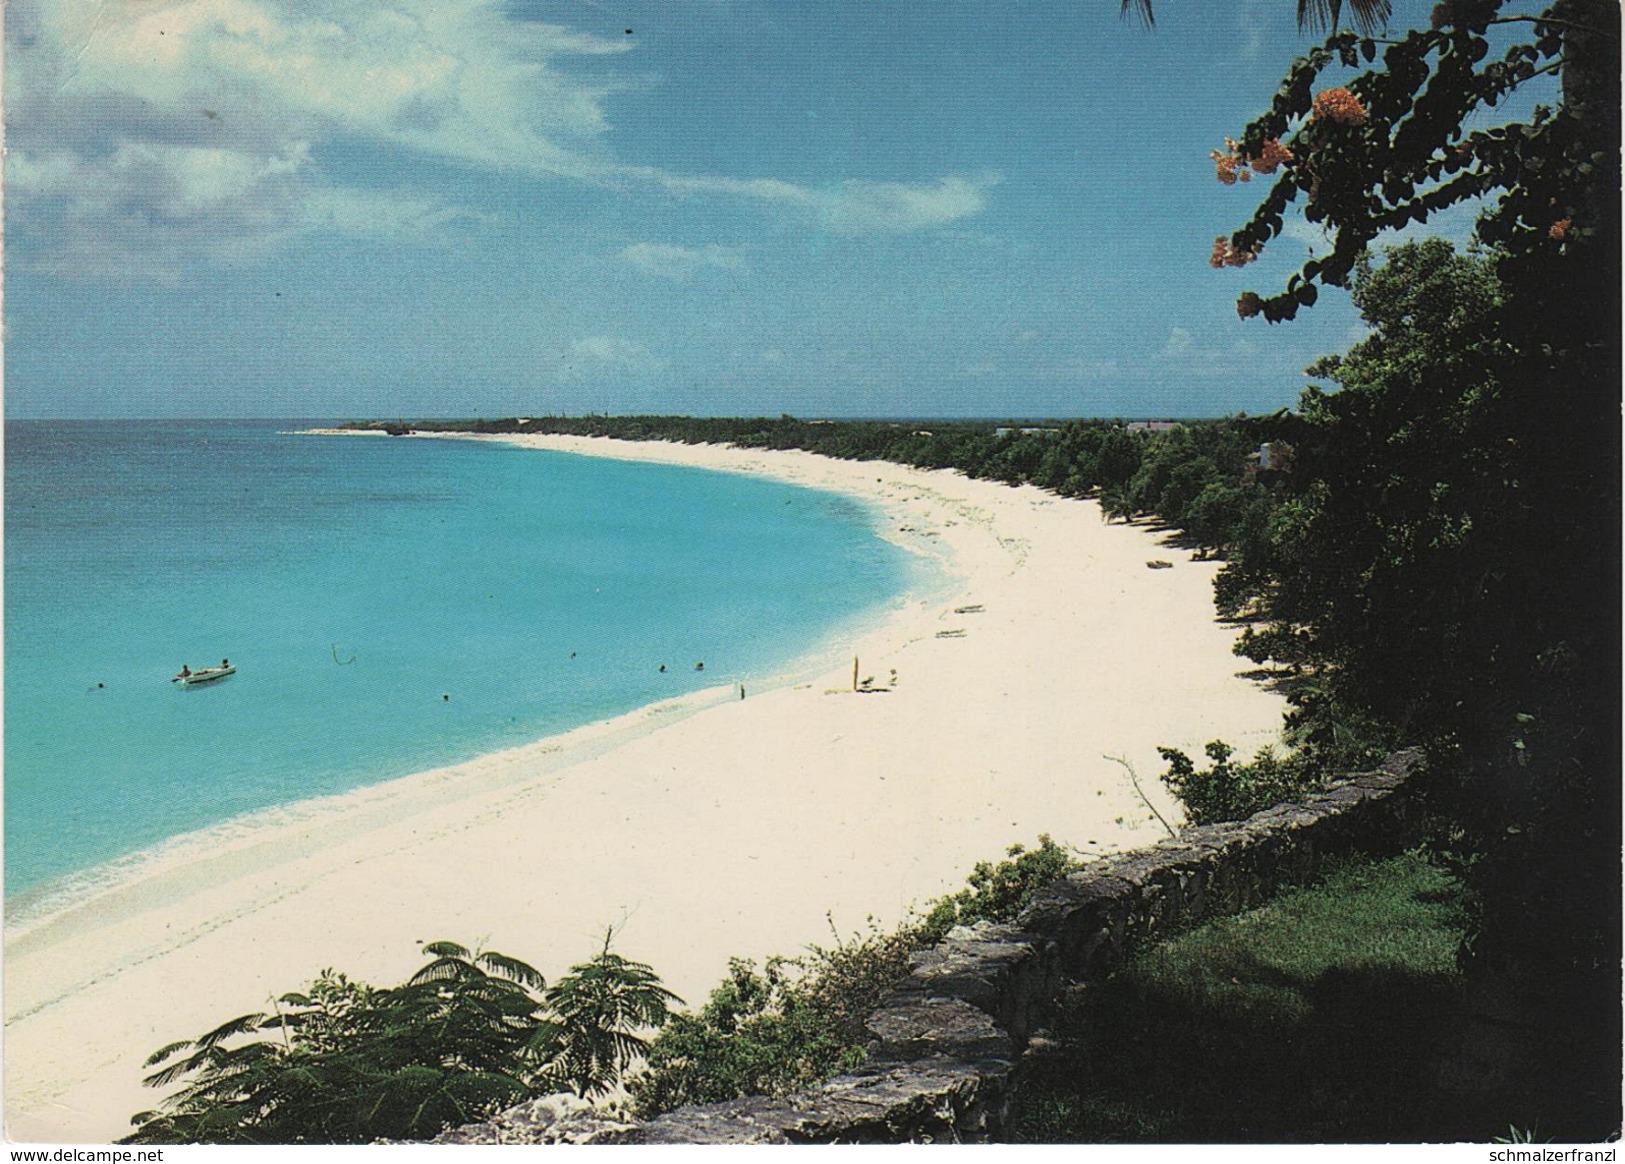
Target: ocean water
{"points": [[391, 606]]}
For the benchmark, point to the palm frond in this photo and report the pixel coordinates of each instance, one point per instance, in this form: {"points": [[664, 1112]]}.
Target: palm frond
{"points": [[446, 969], [627, 1046], [1368, 16], [546, 1038], [1140, 8], [163, 1053], [447, 950], [171, 1073], [512, 968], [242, 1024]]}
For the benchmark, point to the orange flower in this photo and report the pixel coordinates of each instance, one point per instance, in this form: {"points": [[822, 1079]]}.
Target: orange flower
{"points": [[1341, 106], [1225, 254], [1560, 229], [1271, 156], [1232, 166], [1229, 167]]}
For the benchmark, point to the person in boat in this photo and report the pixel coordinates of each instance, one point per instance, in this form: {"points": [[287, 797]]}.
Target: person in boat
{"points": [[185, 671], [225, 662]]}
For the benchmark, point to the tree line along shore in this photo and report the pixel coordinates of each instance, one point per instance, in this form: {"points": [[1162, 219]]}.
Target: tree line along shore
{"points": [[1425, 553], [1391, 561], [1363, 574]]}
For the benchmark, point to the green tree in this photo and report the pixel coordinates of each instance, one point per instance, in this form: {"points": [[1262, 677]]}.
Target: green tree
{"points": [[602, 1011], [1452, 556], [343, 1063]]}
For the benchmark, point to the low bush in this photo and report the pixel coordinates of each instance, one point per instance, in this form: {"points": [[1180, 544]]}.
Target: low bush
{"points": [[997, 892], [796, 1021], [1230, 791]]}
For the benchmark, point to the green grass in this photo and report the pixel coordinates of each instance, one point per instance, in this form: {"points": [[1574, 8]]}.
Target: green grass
{"points": [[1325, 1016]]}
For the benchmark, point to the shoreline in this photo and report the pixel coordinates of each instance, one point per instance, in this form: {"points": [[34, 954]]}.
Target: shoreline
{"points": [[700, 828], [131, 876]]}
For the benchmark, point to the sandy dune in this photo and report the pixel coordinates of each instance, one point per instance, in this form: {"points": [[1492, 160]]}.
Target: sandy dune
{"points": [[701, 829]]}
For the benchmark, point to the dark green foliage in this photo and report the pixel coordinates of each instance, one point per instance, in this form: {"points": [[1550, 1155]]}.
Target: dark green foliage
{"points": [[777, 1029], [1322, 1017], [1334, 1014], [345, 1063], [1452, 574], [1411, 153], [999, 892], [793, 1022], [1368, 577], [1444, 575], [1228, 791], [599, 1012]]}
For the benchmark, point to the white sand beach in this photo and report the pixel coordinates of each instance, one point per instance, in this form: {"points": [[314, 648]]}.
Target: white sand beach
{"points": [[700, 829]]}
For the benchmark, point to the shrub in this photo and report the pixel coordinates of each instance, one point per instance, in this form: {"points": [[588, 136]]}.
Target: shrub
{"points": [[794, 1022], [1229, 791], [777, 1029], [999, 892]]}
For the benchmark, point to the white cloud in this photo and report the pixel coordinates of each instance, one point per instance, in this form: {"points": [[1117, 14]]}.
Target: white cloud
{"points": [[675, 262], [1182, 352], [860, 207], [228, 103], [145, 209], [1179, 345], [597, 356], [1078, 368], [850, 207]]}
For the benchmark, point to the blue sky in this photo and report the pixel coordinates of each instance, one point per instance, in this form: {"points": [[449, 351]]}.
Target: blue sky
{"points": [[461, 207]]}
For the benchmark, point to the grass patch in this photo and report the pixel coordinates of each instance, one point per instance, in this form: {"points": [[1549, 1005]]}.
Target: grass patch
{"points": [[1322, 1017]]}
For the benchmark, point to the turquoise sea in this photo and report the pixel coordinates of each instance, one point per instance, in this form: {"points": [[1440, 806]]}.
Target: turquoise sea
{"points": [[391, 606]]}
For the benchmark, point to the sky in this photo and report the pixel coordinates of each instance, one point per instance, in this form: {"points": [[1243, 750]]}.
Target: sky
{"points": [[459, 208]]}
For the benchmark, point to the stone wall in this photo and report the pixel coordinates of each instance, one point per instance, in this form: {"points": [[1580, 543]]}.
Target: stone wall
{"points": [[948, 1040]]}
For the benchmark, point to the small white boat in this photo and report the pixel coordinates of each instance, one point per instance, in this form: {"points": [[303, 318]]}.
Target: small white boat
{"points": [[206, 675]]}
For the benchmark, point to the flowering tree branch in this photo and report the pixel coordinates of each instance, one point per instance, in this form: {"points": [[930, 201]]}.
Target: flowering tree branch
{"points": [[1388, 148]]}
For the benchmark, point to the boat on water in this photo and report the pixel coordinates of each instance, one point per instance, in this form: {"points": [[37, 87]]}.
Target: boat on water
{"points": [[189, 678]]}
